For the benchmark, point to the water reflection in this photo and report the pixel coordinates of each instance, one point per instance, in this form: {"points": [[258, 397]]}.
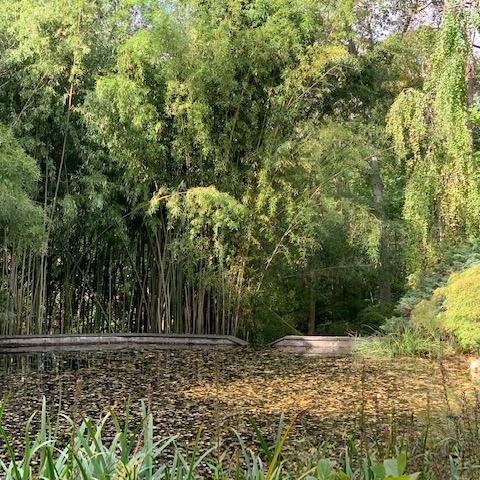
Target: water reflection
{"points": [[41, 362]]}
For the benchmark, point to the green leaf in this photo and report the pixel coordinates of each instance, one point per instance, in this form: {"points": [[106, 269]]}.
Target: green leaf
{"points": [[401, 463], [378, 471], [324, 470], [391, 467]]}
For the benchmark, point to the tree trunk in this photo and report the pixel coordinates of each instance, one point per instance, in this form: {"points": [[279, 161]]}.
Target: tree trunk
{"points": [[311, 303], [470, 67]]}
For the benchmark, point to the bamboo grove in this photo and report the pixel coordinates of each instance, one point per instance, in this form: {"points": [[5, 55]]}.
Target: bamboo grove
{"points": [[244, 167]]}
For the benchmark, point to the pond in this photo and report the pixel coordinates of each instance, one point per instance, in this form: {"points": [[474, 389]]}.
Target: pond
{"points": [[219, 389]]}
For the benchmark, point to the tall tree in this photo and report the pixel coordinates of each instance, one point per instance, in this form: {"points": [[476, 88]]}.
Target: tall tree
{"points": [[431, 134]]}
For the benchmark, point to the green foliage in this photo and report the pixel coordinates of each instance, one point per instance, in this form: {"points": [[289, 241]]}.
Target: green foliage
{"points": [[220, 106], [403, 339], [206, 242], [207, 166], [21, 221], [390, 469], [455, 308], [134, 455], [423, 283], [206, 207], [431, 135], [438, 314], [128, 455]]}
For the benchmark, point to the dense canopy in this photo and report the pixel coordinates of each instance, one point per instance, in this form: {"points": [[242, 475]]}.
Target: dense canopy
{"points": [[246, 167]]}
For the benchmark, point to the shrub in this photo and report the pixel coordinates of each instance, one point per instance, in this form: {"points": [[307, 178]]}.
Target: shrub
{"points": [[440, 312], [456, 308], [422, 284]]}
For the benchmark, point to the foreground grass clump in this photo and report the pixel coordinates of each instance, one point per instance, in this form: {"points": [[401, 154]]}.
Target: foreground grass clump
{"points": [[447, 448], [132, 454]]}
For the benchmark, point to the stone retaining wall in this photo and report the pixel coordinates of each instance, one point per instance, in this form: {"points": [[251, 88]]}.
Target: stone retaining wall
{"points": [[114, 341], [316, 345]]}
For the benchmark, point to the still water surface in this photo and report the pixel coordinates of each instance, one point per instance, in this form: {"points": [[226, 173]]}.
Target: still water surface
{"points": [[218, 389]]}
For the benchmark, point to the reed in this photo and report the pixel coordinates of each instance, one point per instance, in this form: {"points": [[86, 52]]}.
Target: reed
{"points": [[133, 454]]}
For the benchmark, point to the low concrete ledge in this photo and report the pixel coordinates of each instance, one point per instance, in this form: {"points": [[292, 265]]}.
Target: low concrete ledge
{"points": [[114, 341], [316, 345]]}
